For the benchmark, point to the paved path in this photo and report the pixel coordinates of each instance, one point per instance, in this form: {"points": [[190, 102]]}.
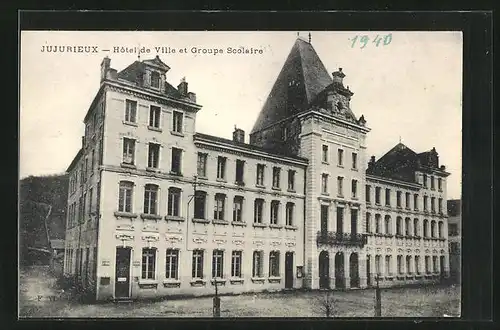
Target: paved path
{"points": [[397, 302]]}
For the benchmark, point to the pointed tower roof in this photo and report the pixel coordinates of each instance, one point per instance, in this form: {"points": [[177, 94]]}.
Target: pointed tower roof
{"points": [[303, 66]]}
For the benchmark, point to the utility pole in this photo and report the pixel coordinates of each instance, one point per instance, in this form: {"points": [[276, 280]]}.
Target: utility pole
{"points": [[216, 301], [378, 302]]}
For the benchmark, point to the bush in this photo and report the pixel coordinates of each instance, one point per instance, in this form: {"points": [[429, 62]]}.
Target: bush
{"points": [[75, 290]]}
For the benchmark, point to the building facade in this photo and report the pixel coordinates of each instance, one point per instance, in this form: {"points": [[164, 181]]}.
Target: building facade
{"points": [[157, 209], [455, 239]]}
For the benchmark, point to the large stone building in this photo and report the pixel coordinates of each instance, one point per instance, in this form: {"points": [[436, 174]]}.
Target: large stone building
{"points": [[455, 239], [157, 209]]}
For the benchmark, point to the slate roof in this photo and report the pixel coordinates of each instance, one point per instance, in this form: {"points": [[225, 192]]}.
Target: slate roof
{"points": [[248, 146], [400, 163], [454, 206], [304, 66]]}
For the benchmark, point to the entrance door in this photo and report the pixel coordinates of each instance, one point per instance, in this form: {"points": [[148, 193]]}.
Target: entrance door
{"points": [[354, 270], [324, 267], [122, 278], [339, 271], [368, 277], [289, 270]]}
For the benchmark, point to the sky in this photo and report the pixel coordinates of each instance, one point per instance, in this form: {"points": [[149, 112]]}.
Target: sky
{"points": [[408, 88]]}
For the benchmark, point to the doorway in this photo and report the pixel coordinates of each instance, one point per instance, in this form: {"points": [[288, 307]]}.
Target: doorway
{"points": [[324, 267], [339, 271], [354, 270], [288, 270], [122, 278]]}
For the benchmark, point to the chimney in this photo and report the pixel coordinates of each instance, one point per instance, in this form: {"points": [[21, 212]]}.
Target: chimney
{"points": [[183, 87], [238, 135], [83, 141], [105, 66], [338, 77], [371, 163]]}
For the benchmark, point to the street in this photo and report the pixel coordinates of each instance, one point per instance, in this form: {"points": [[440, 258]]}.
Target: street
{"points": [[39, 298]]}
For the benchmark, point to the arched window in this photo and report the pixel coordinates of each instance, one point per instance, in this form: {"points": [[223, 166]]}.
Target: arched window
{"points": [[416, 225], [200, 204], [290, 207], [151, 199], [378, 224], [407, 227], [174, 202], [387, 222], [368, 223], [433, 228], [440, 229], [125, 196], [399, 226], [426, 228]]}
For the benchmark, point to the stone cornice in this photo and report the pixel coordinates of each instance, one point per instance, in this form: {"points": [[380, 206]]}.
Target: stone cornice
{"points": [[337, 120], [375, 178]]}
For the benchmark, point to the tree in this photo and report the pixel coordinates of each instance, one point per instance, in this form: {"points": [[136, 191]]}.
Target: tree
{"points": [[326, 303]]}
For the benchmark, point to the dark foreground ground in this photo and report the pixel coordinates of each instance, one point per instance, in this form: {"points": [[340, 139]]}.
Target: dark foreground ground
{"points": [[37, 286]]}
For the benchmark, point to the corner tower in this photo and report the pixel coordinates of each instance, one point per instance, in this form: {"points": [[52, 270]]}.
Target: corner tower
{"points": [[308, 114]]}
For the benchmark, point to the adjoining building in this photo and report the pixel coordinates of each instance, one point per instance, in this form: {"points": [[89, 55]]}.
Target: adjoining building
{"points": [[157, 209], [455, 239]]}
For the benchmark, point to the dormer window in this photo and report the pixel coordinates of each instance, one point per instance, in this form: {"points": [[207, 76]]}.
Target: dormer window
{"points": [[155, 79]]}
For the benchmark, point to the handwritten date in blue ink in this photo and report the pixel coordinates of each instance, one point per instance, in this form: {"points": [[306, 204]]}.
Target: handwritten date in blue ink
{"points": [[363, 40]]}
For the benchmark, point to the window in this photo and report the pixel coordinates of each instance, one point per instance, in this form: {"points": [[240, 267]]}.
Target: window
{"points": [[219, 206], [425, 203], [84, 207], [291, 180], [407, 201], [399, 226], [340, 157], [425, 180], [426, 228], [275, 206], [176, 161], [92, 162], [453, 229], [417, 264], [387, 197], [407, 227], [260, 175], [289, 213], [432, 183], [415, 202], [125, 196], [274, 263], [388, 270], [435, 264], [150, 199], [340, 219], [440, 229], [174, 202], [440, 205], [153, 155], [387, 223], [154, 116], [177, 122], [433, 228], [257, 268], [199, 204], [398, 198], [197, 267], [237, 208], [221, 167], [155, 79], [276, 177], [354, 160], [415, 227], [378, 268], [236, 260], [148, 263], [377, 195], [427, 264], [400, 264], [172, 264], [324, 183], [240, 164], [377, 223], [128, 151], [440, 184], [433, 204], [408, 264], [217, 264], [202, 165], [368, 223], [91, 193], [130, 111], [340, 189], [354, 188], [258, 209], [368, 193], [324, 155]]}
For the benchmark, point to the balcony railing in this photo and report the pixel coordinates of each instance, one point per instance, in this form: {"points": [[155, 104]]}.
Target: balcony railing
{"points": [[333, 238]]}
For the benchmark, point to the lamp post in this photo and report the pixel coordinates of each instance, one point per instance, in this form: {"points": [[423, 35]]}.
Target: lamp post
{"points": [[216, 301], [378, 302]]}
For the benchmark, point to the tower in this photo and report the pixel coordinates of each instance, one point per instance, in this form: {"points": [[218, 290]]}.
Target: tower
{"points": [[308, 114]]}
